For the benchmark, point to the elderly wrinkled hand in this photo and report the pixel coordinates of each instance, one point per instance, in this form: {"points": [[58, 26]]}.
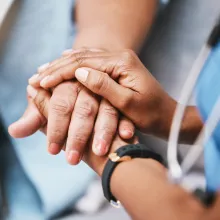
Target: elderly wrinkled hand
{"points": [[73, 113], [42, 99]]}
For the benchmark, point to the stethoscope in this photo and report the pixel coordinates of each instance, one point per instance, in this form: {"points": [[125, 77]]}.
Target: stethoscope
{"points": [[177, 171]]}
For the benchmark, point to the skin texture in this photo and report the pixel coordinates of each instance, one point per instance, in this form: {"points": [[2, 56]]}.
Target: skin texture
{"points": [[98, 28], [142, 185], [114, 25], [121, 78]]}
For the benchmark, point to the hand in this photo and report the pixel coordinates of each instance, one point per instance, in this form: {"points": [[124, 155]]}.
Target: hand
{"points": [[31, 121], [72, 113], [139, 96], [40, 100]]}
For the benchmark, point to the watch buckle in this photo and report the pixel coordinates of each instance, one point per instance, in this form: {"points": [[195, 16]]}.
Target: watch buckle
{"points": [[115, 158]]}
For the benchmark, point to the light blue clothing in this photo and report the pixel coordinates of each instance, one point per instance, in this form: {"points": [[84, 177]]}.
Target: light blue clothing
{"points": [[38, 32], [208, 92]]}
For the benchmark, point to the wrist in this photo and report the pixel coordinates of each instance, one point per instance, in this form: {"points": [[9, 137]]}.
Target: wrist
{"points": [[126, 172], [121, 156], [102, 38], [96, 163], [162, 118], [190, 126]]}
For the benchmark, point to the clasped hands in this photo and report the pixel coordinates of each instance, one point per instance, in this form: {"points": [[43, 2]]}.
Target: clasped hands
{"points": [[92, 99]]}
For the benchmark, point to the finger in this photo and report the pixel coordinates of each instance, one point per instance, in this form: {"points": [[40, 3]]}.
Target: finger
{"points": [[60, 111], [69, 52], [126, 128], [41, 100], [112, 63], [105, 128], [28, 124], [47, 68], [54, 76], [81, 125], [103, 85], [47, 72], [31, 121]]}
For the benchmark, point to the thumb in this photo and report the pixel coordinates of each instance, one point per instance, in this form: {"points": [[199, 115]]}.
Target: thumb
{"points": [[102, 84], [29, 123]]}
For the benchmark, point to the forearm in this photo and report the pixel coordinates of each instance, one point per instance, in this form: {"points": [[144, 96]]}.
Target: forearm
{"points": [[142, 187], [113, 25], [191, 126]]}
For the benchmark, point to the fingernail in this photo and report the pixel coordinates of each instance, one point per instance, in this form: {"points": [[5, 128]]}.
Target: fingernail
{"points": [[45, 80], [100, 148], [127, 133], [82, 74], [73, 157], [43, 67], [32, 92], [54, 148], [71, 51], [67, 52], [33, 78]]}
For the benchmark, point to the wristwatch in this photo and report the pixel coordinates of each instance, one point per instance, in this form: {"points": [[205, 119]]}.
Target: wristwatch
{"points": [[124, 153]]}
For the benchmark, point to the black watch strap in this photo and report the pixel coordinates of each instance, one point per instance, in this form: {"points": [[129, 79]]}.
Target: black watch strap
{"points": [[122, 154]]}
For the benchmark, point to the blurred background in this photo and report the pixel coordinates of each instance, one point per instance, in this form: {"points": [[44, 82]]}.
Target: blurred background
{"points": [[179, 32]]}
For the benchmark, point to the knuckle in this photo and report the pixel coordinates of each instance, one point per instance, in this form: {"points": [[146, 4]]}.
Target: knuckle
{"points": [[79, 60], [79, 138], [74, 88], [101, 83], [61, 106], [108, 130], [41, 106], [79, 57], [51, 68], [68, 88], [85, 110], [128, 59], [40, 102], [110, 111]]}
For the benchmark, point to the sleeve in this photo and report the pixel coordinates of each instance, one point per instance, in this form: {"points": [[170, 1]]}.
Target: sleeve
{"points": [[207, 94]]}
